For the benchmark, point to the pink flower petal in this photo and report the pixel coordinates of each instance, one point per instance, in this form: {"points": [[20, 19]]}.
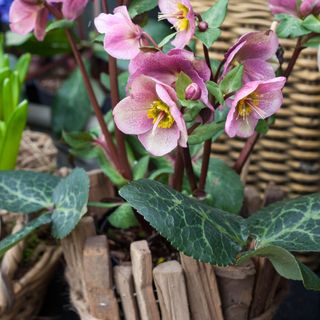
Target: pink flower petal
{"points": [[283, 6], [131, 117], [169, 7], [41, 23], [72, 9], [257, 69], [122, 36], [161, 141], [22, 17], [310, 6]]}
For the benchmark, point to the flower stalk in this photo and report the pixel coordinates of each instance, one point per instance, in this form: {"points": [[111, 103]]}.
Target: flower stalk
{"points": [[112, 152]]}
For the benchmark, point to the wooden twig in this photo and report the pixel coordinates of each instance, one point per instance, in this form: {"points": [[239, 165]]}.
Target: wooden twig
{"points": [[125, 288], [172, 293], [142, 275], [203, 293], [98, 289]]}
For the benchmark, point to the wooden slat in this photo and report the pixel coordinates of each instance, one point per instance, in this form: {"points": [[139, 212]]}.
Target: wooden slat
{"points": [[125, 288], [171, 289], [142, 275], [73, 245], [203, 292], [98, 289]]}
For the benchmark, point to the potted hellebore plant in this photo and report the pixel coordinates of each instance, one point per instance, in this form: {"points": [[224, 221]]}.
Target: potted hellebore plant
{"points": [[155, 148]]}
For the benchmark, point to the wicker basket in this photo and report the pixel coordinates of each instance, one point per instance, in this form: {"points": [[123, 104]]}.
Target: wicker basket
{"points": [[22, 291], [289, 154]]}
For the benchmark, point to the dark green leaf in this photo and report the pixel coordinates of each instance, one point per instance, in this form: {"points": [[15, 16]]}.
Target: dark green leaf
{"points": [[70, 198], [209, 36], [224, 186], [215, 90], [190, 104], [140, 168], [216, 14], [54, 43], [109, 170], [13, 239], [26, 191], [312, 23], [293, 225], [314, 42], [122, 82], [123, 217], [207, 234], [60, 24], [286, 265], [81, 143], [206, 131], [181, 84], [232, 80], [262, 126], [140, 6], [155, 174], [71, 108], [290, 26]]}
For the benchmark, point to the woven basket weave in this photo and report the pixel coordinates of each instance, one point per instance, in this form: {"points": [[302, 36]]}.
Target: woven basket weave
{"points": [[289, 154], [22, 291]]}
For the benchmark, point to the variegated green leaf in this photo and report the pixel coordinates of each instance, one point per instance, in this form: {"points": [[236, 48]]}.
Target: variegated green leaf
{"points": [[70, 198], [207, 234], [293, 225], [11, 240], [26, 191]]}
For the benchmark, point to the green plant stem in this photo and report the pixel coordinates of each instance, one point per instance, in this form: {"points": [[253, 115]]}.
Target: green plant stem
{"points": [[207, 144], [189, 169], [115, 98], [112, 152], [251, 142]]}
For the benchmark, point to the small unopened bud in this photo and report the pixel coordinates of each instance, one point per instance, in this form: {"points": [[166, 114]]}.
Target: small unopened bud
{"points": [[203, 26], [193, 92]]}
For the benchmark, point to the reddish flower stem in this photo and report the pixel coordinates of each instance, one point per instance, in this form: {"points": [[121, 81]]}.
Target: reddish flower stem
{"points": [[251, 142], [177, 177], [207, 144], [115, 98], [112, 152], [189, 169]]}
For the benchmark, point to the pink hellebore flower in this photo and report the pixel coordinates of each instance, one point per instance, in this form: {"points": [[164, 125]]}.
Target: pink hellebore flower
{"points": [[71, 9], [151, 113], [123, 38], [180, 14], [167, 67], [28, 15], [291, 7], [255, 100], [253, 50]]}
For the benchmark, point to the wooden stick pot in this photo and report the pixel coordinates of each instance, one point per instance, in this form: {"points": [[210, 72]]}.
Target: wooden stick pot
{"points": [[179, 289]]}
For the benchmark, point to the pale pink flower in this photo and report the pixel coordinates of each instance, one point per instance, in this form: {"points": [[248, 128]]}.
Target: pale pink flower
{"points": [[181, 15], [253, 50], [254, 101], [123, 38], [71, 9], [166, 67], [291, 7], [151, 113], [28, 15]]}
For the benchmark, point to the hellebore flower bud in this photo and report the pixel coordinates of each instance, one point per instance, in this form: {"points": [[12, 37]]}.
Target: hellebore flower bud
{"points": [[203, 26], [193, 92]]}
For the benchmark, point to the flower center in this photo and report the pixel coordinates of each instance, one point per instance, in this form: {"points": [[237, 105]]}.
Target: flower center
{"points": [[181, 15], [160, 113], [248, 105]]}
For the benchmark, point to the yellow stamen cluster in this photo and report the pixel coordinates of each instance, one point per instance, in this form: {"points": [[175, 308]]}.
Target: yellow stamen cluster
{"points": [[160, 110], [243, 108], [183, 22]]}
